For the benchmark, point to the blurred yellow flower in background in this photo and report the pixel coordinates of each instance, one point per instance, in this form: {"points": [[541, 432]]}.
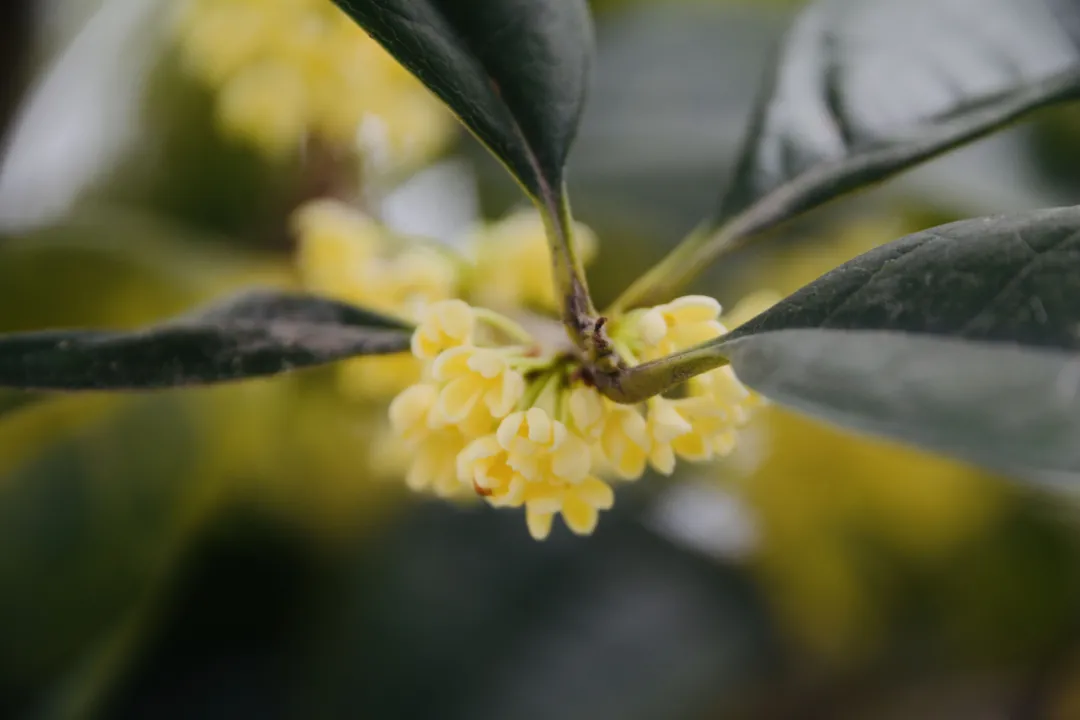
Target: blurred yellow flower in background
{"points": [[289, 71], [344, 254], [513, 264]]}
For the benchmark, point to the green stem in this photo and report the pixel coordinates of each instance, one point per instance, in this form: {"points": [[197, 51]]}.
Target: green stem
{"points": [[507, 326], [630, 386], [538, 395], [702, 247], [578, 312], [529, 364], [740, 222], [660, 283]]}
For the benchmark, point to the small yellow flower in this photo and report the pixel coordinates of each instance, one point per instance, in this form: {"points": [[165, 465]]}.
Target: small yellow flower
{"points": [[484, 466], [579, 505], [712, 431], [513, 263], [693, 428], [411, 412], [619, 430], [664, 425], [727, 392], [476, 379], [543, 449], [218, 39], [412, 279], [266, 104], [442, 325], [434, 465], [336, 241], [346, 255], [536, 462], [678, 325], [434, 447], [588, 411]]}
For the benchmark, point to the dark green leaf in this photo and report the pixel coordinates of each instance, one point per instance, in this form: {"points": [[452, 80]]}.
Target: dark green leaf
{"points": [[514, 71], [964, 339], [254, 334], [864, 89]]}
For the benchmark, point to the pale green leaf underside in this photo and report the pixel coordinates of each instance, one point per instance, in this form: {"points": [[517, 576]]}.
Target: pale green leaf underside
{"points": [[1008, 407]]}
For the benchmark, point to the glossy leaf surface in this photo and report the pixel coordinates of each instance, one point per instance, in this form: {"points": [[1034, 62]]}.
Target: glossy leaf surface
{"points": [[864, 89], [963, 339], [254, 334], [514, 71]]}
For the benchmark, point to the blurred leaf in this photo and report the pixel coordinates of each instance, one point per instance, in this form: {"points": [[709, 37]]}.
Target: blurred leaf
{"points": [[962, 339], [514, 71], [16, 39], [12, 400], [674, 88], [81, 114], [92, 495], [118, 267], [184, 167], [253, 334], [865, 89], [625, 626]]}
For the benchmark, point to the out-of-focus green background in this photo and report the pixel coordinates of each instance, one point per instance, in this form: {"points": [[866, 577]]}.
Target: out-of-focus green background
{"points": [[229, 552]]}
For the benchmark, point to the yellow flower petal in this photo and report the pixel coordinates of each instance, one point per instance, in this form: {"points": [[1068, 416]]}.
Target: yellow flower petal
{"points": [[543, 497], [451, 364], [571, 460], [539, 523], [692, 446], [662, 458], [596, 493], [509, 431], [692, 309], [665, 422], [442, 325], [652, 327], [410, 411], [458, 397], [587, 411], [541, 429], [266, 104], [580, 516], [501, 398]]}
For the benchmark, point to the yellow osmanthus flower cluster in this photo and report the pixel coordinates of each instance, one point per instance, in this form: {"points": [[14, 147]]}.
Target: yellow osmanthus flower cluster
{"points": [[485, 408], [345, 254], [285, 71], [498, 416]]}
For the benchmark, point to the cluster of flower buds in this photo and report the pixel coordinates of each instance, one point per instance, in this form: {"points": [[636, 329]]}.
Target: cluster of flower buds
{"points": [[486, 408], [496, 415]]}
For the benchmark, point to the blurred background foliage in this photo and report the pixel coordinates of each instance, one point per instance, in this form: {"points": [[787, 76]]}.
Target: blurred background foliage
{"points": [[235, 552]]}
